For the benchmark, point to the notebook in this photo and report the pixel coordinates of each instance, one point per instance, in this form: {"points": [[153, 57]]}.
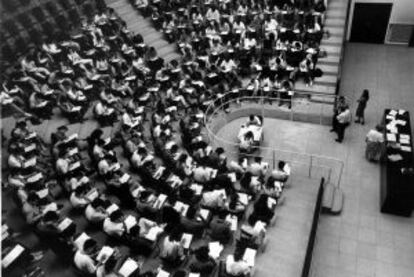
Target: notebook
{"points": [[249, 256], [215, 249], [92, 194]]}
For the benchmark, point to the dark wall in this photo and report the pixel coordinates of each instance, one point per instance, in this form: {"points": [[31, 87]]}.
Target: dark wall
{"points": [[26, 22]]}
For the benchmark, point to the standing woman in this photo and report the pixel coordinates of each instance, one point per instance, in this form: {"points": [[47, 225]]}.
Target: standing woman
{"points": [[362, 104]]}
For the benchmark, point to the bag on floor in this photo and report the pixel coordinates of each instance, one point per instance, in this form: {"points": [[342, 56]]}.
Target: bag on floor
{"points": [[317, 72]]}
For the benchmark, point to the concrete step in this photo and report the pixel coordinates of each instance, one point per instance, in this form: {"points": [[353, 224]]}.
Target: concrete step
{"points": [[322, 99], [336, 31], [328, 69], [316, 88], [334, 22], [327, 79], [329, 60], [337, 14], [332, 50], [332, 40], [334, 5]]}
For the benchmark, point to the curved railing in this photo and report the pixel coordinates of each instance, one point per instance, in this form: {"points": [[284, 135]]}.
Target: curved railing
{"points": [[303, 164]]}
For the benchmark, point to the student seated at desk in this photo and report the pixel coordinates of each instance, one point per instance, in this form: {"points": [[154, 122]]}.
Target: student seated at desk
{"points": [[95, 211], [78, 199], [108, 269], [113, 225], [253, 233], [172, 250], [215, 199], [282, 172], [258, 167], [236, 266], [201, 262], [220, 228], [190, 224], [84, 260], [30, 209], [261, 209], [254, 120], [250, 183]]}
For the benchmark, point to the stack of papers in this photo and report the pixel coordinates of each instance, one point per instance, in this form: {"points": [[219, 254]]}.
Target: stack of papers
{"points": [[215, 249], [249, 256], [243, 198], [160, 201], [30, 162], [43, 193], [128, 267]]}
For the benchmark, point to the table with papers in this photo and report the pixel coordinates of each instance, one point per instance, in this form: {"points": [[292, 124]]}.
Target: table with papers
{"points": [[397, 176]]}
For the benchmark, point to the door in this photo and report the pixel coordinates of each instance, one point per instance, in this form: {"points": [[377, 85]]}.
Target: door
{"points": [[370, 22]]}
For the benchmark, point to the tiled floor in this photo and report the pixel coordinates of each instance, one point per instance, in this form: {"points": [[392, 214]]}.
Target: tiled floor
{"points": [[362, 242]]}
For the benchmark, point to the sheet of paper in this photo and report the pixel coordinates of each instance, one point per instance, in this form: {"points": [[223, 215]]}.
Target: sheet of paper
{"points": [[130, 221], [391, 137], [12, 255], [92, 194], [64, 224], [163, 273], [204, 214], [153, 233], [232, 219], [249, 256], [105, 253], [186, 240], [79, 241], [181, 207], [112, 208], [215, 249], [124, 178], [128, 267]]}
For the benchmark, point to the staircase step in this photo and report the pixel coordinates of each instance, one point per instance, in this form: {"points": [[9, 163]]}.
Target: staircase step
{"points": [[322, 99], [333, 5], [334, 22], [328, 69], [330, 59], [338, 202], [332, 50], [336, 31], [316, 88], [171, 56], [337, 14], [327, 199]]}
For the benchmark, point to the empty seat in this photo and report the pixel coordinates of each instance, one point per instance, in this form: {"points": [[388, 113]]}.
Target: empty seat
{"points": [[327, 199], [338, 201]]}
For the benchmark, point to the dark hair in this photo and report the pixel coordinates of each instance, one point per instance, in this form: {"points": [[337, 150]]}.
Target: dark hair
{"points": [[135, 230], [220, 150], [89, 244], [180, 273], [365, 94], [96, 203], [191, 212], [175, 234], [110, 264], [115, 215], [32, 197], [258, 159], [281, 164], [50, 216], [252, 220], [202, 253]]}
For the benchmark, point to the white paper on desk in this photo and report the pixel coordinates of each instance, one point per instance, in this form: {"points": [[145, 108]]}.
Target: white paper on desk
{"points": [[76, 109], [64, 224], [271, 202], [232, 177], [249, 256], [259, 226], [31, 135], [159, 172], [181, 207], [30, 162], [204, 214], [136, 192], [73, 151], [191, 274], [92, 194], [12, 255], [153, 233], [130, 221], [71, 137], [401, 112], [243, 198], [186, 240], [128, 267], [104, 254], [74, 166], [391, 137], [43, 193], [29, 148], [404, 141], [392, 112], [115, 167], [405, 136], [112, 208], [215, 249], [124, 178], [232, 219], [35, 178], [160, 201], [198, 189], [81, 240], [390, 117], [163, 273], [406, 148]]}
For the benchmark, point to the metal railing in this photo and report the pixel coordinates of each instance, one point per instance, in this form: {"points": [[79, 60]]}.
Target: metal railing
{"points": [[303, 164]]}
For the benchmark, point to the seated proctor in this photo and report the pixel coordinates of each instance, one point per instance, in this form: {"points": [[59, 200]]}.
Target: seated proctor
{"points": [[84, 260], [172, 250], [254, 120], [282, 172], [250, 183], [220, 228], [236, 266], [201, 262]]}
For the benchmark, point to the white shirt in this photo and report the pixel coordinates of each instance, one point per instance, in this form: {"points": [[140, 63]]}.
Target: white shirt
{"points": [[84, 263], [94, 215], [113, 228]]}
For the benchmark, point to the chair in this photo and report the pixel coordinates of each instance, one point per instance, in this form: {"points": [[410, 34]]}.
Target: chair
{"points": [[39, 14]]}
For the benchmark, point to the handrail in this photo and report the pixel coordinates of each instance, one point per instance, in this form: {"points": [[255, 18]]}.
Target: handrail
{"points": [[218, 105], [341, 56]]}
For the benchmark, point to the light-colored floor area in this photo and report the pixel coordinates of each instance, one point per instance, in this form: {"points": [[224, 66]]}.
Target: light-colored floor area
{"points": [[362, 242]]}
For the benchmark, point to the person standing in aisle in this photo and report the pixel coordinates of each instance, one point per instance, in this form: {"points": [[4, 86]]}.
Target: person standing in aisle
{"points": [[339, 104], [344, 118], [362, 104]]}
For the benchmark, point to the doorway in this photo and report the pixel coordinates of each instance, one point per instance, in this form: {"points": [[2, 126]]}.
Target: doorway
{"points": [[370, 22]]}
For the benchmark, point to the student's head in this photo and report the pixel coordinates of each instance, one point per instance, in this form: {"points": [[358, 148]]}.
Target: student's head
{"points": [[251, 117], [174, 148], [110, 264], [180, 273], [219, 150], [252, 219], [89, 246], [222, 214], [115, 216], [96, 203], [281, 164], [365, 93], [142, 151], [238, 255], [50, 216], [202, 253], [379, 128], [257, 159], [175, 234], [144, 195], [135, 230], [32, 198], [249, 135], [79, 190], [191, 212]]}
